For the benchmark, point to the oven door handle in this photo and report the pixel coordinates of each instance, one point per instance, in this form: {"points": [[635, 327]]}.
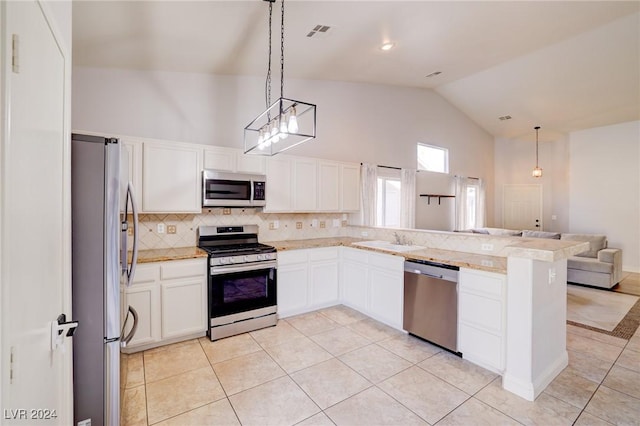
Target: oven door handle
{"points": [[220, 270]]}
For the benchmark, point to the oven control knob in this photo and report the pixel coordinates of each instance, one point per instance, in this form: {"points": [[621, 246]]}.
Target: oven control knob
{"points": [[246, 259], [260, 257], [224, 260]]}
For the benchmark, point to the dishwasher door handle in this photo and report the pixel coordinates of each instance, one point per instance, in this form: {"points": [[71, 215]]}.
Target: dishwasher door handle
{"points": [[417, 271]]}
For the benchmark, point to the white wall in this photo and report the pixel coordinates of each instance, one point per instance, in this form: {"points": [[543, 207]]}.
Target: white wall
{"points": [[515, 159], [604, 187], [356, 122]]}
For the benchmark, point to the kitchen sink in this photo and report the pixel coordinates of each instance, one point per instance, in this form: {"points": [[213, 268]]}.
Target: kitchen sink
{"points": [[386, 245]]}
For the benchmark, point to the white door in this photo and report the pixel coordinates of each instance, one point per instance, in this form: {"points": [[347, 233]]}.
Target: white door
{"points": [[35, 219], [522, 207]]}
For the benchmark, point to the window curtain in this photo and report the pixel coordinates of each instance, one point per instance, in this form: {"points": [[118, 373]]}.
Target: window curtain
{"points": [[408, 198], [470, 213], [368, 183]]}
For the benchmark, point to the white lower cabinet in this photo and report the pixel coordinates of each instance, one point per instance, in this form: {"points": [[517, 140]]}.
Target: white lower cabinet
{"points": [[307, 280], [482, 318], [171, 301], [311, 279]]}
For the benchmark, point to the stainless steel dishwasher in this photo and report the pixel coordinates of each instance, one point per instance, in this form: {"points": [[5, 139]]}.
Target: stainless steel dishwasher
{"points": [[431, 302]]}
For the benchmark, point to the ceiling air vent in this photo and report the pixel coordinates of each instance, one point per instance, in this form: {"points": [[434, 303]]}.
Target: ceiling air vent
{"points": [[504, 117], [319, 30], [433, 74]]}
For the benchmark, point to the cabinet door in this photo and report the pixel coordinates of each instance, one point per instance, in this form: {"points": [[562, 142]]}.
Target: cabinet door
{"points": [[354, 285], [278, 184], [293, 289], [386, 296], [350, 189], [171, 178], [221, 159], [328, 186], [254, 164], [145, 299], [305, 184], [132, 168], [323, 279], [183, 307]]}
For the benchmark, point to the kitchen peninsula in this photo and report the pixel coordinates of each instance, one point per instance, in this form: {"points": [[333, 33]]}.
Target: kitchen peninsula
{"points": [[521, 283]]}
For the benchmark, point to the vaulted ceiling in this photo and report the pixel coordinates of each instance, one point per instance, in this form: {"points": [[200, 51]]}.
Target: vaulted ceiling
{"points": [[564, 65]]}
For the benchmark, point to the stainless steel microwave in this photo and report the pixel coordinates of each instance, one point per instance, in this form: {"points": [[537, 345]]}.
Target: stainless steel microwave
{"points": [[223, 189]]}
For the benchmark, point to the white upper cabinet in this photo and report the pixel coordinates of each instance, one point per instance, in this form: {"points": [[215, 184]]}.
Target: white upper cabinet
{"points": [[219, 158], [328, 186], [278, 184], [305, 184], [350, 187], [132, 169], [233, 160], [300, 184], [171, 178]]}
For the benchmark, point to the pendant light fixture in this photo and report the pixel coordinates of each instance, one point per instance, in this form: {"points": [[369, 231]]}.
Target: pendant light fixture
{"points": [[537, 172], [286, 122]]}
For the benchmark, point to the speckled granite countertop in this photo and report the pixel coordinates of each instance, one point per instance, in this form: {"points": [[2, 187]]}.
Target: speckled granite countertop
{"points": [[161, 255], [449, 257]]}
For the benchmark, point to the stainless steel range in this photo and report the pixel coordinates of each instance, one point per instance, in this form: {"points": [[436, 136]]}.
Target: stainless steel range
{"points": [[242, 280]]}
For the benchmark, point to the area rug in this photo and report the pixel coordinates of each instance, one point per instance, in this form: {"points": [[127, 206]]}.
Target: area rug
{"points": [[604, 311]]}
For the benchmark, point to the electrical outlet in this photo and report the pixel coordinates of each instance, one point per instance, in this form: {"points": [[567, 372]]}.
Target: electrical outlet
{"points": [[323, 224], [160, 228], [276, 224], [130, 231], [171, 229], [552, 275], [364, 233], [226, 211], [314, 223], [344, 223], [336, 223], [485, 262], [272, 226], [487, 247], [298, 225]]}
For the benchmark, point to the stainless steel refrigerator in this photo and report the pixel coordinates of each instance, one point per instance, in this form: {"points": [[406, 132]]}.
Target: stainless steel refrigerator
{"points": [[99, 209]]}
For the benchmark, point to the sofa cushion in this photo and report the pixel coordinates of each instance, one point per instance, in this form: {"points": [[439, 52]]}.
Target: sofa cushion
{"points": [[504, 232], [541, 234], [589, 264], [596, 243]]}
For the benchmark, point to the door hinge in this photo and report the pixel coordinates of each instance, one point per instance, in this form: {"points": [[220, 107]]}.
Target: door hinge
{"points": [[15, 53], [12, 362]]}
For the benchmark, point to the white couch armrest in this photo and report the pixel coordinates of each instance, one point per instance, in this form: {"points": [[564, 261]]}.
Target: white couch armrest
{"points": [[612, 255]]}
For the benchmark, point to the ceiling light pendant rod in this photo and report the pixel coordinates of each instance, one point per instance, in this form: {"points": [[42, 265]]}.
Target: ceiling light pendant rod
{"points": [[537, 172], [285, 123]]}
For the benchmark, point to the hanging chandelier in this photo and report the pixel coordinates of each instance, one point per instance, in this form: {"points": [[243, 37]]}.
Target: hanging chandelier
{"points": [[537, 172], [286, 122]]}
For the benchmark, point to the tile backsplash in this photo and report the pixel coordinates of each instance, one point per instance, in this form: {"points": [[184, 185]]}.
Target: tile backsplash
{"points": [[290, 226]]}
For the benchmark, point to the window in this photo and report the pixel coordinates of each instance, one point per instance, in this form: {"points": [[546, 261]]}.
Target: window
{"points": [[471, 207], [388, 208], [433, 158]]}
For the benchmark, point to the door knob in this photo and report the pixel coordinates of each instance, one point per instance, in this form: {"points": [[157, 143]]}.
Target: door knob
{"points": [[61, 328]]}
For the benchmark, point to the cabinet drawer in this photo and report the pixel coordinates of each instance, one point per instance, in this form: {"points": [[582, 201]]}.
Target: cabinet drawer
{"points": [[481, 311], [292, 256], [387, 261], [183, 269], [356, 255], [146, 273], [482, 282], [328, 253]]}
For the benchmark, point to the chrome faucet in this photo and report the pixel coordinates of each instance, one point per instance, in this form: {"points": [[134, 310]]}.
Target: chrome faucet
{"points": [[401, 240]]}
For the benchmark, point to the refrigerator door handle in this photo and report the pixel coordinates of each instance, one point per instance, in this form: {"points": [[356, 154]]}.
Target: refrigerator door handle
{"points": [[124, 340], [134, 257]]}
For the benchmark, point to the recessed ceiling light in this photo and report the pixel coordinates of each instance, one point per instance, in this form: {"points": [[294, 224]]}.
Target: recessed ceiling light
{"points": [[387, 46], [504, 117]]}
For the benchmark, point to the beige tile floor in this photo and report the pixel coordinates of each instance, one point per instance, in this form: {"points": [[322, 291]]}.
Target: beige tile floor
{"points": [[336, 366]]}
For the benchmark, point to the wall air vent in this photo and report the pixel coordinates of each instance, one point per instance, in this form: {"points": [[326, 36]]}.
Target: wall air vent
{"points": [[504, 117], [319, 30]]}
